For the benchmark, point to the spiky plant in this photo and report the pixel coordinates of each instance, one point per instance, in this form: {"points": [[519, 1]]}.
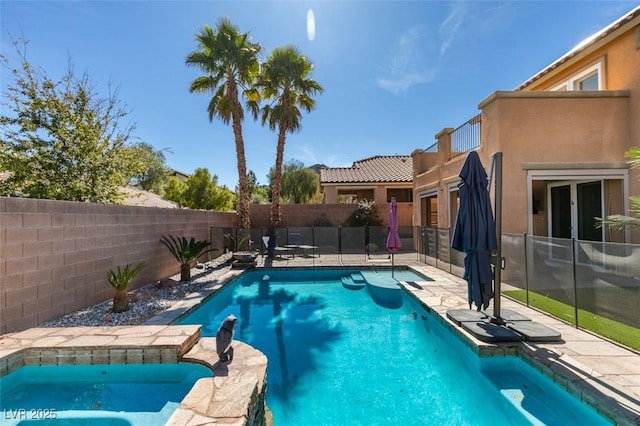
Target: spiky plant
{"points": [[119, 279], [186, 252]]}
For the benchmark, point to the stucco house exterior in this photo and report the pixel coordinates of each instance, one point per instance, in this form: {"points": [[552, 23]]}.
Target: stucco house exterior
{"points": [[377, 178], [563, 134]]}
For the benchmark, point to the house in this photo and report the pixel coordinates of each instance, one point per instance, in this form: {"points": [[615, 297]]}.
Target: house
{"points": [[376, 178], [563, 134], [181, 176]]}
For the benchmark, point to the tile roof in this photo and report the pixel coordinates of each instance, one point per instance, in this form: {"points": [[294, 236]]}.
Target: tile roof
{"points": [[390, 168]]}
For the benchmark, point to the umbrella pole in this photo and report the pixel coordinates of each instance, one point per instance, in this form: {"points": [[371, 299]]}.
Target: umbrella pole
{"points": [[497, 157]]}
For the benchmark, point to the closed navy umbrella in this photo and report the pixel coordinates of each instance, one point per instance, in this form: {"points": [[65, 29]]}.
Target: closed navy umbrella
{"points": [[475, 231]]}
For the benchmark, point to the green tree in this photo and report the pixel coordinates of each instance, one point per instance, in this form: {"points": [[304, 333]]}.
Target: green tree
{"points": [[252, 181], [154, 172], [299, 183], [60, 140], [173, 190], [202, 192], [285, 83], [230, 63], [633, 220]]}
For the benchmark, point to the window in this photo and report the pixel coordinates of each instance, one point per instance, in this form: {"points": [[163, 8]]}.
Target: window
{"points": [[589, 83], [400, 194], [352, 196], [588, 79], [429, 211]]}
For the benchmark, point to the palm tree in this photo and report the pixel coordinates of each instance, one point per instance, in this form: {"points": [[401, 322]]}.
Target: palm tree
{"points": [[119, 280], [186, 252], [284, 80], [230, 63], [633, 220]]}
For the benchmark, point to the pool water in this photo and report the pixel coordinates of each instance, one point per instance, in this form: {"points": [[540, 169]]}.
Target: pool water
{"points": [[338, 356], [114, 394]]}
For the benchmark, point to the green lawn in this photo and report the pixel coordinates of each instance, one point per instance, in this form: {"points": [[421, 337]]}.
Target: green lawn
{"points": [[614, 330]]}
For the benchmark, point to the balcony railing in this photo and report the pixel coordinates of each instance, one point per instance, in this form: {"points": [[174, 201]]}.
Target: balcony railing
{"points": [[466, 137]]}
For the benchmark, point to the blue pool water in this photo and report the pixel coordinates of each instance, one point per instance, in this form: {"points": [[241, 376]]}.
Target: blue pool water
{"points": [[341, 356], [118, 395]]}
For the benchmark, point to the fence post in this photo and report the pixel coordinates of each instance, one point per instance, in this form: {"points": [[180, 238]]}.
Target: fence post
{"points": [[526, 270], [575, 279]]}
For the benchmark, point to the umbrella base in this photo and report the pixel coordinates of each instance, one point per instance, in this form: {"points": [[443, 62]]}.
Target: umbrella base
{"points": [[509, 327], [465, 315], [491, 333], [508, 315], [535, 332]]}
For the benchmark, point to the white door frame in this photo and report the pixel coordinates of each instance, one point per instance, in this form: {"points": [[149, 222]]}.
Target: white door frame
{"points": [[576, 175]]}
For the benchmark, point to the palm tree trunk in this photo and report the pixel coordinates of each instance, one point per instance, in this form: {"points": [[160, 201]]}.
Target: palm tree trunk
{"points": [[277, 178], [243, 183], [185, 272], [120, 301]]}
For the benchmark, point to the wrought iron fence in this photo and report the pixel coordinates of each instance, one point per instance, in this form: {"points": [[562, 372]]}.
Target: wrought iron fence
{"points": [[466, 137]]}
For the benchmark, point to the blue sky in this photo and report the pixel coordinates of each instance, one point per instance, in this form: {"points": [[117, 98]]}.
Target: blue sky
{"points": [[394, 73]]}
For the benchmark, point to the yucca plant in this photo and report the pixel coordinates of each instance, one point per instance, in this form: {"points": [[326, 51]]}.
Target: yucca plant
{"points": [[120, 279], [186, 252]]}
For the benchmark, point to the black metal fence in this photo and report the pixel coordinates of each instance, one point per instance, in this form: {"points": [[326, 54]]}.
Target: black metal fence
{"points": [[368, 241], [575, 279], [466, 137]]}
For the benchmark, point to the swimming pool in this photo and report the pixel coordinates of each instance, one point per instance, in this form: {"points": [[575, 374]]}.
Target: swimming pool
{"points": [[112, 394], [339, 355]]}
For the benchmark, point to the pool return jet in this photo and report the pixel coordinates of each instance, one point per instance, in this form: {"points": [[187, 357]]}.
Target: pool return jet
{"points": [[480, 237]]}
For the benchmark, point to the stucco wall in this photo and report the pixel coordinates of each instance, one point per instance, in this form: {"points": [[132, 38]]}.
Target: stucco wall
{"points": [[54, 254], [567, 130]]}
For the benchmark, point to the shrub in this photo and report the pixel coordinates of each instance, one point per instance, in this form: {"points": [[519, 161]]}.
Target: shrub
{"points": [[186, 252], [366, 214], [120, 279]]}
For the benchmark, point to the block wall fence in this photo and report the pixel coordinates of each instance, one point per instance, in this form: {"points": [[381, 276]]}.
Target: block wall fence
{"points": [[54, 254]]}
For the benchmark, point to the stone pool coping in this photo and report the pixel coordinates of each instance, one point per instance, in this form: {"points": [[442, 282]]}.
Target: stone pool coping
{"points": [[235, 394]]}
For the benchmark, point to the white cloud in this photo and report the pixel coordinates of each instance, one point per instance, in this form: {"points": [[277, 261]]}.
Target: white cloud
{"points": [[407, 67], [451, 25]]}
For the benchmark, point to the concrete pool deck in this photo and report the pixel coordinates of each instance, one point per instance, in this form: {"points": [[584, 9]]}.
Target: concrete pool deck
{"points": [[604, 374]]}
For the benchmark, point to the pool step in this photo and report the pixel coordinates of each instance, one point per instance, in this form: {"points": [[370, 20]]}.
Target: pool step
{"points": [[351, 284], [357, 278], [384, 290]]}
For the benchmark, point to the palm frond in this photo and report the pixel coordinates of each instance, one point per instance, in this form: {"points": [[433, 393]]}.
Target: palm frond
{"points": [[120, 278], [185, 250]]}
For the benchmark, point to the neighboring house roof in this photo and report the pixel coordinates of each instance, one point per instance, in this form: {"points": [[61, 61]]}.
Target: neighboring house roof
{"points": [[180, 175], [139, 197], [378, 169], [587, 43]]}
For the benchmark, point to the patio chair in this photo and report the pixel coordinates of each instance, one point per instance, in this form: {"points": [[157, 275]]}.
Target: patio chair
{"points": [[277, 250], [296, 242]]}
